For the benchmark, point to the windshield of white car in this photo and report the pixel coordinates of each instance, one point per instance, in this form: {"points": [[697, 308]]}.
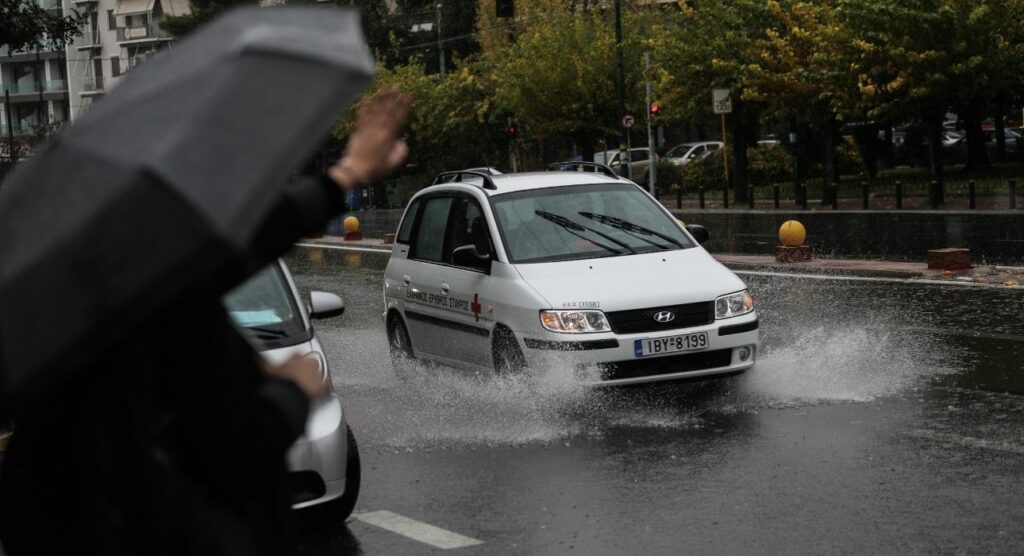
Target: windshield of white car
{"points": [[679, 150], [558, 223], [264, 307]]}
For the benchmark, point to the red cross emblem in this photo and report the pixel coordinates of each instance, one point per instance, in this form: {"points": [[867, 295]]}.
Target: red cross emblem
{"points": [[475, 306]]}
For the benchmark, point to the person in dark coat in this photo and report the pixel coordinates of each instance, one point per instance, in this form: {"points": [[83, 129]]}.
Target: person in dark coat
{"points": [[174, 441]]}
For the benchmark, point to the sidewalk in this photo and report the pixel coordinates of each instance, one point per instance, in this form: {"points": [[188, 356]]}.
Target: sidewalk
{"points": [[902, 270]]}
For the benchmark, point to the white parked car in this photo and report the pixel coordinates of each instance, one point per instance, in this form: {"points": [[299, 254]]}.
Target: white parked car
{"points": [[324, 468], [681, 155], [501, 272]]}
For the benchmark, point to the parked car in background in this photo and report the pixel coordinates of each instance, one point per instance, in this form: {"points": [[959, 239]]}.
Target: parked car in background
{"points": [[681, 155], [324, 468], [638, 160]]}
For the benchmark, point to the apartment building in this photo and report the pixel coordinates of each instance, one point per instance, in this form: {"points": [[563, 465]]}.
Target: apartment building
{"points": [[33, 87], [118, 35]]}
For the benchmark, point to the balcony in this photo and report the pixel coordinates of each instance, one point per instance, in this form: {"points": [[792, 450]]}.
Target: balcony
{"points": [[34, 87], [92, 85], [142, 33], [90, 39]]}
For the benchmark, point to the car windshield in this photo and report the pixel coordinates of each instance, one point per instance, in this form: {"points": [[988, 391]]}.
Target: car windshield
{"points": [[679, 150], [584, 222], [264, 306]]}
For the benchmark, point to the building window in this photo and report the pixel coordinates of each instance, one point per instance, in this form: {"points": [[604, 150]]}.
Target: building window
{"points": [[115, 66], [111, 22]]}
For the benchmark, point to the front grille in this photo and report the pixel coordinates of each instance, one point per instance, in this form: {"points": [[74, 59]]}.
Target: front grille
{"points": [[637, 368], [642, 320]]}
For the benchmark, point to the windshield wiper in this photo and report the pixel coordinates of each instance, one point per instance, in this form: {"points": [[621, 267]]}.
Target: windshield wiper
{"points": [[575, 228], [266, 333], [628, 226]]}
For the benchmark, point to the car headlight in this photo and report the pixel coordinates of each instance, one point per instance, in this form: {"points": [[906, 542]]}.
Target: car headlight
{"points": [[574, 322], [321, 363], [734, 305]]}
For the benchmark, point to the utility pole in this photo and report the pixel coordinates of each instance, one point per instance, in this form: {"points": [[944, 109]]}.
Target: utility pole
{"points": [[440, 42], [620, 89], [652, 177]]}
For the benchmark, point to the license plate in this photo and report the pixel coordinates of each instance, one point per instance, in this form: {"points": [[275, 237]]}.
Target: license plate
{"points": [[670, 344]]}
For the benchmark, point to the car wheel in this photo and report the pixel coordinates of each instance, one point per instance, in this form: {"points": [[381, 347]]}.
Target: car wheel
{"points": [[400, 346], [508, 358]]}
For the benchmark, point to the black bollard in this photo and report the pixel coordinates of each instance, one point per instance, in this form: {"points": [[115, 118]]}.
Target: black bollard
{"points": [[776, 192], [971, 200], [701, 196], [864, 194], [725, 198], [750, 196], [803, 196], [933, 193], [835, 195], [679, 195], [1013, 194], [899, 194]]}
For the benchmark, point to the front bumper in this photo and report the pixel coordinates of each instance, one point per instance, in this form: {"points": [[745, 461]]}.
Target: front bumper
{"points": [[608, 359], [317, 460]]}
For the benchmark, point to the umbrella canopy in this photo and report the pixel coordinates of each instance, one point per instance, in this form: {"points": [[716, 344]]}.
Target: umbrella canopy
{"points": [[163, 184]]}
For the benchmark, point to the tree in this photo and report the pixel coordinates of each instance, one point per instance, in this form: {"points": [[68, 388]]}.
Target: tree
{"points": [[706, 45], [202, 11], [24, 25]]}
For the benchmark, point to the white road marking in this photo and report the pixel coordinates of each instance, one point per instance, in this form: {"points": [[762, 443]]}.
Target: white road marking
{"points": [[416, 530], [344, 247], [968, 441]]}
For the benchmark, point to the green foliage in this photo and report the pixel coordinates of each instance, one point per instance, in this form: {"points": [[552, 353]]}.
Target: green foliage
{"points": [[202, 11], [24, 25], [769, 164]]}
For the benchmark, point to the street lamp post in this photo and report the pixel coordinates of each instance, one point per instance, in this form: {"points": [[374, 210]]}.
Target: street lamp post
{"points": [[620, 88], [440, 45]]}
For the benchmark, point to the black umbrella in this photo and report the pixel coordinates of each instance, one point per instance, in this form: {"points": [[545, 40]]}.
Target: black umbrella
{"points": [[163, 184]]}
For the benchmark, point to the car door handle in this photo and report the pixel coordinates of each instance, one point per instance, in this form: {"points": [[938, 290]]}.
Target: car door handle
{"points": [[445, 288], [406, 280]]}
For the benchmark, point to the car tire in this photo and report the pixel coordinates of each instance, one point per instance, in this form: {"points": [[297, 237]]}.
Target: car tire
{"points": [[508, 357], [400, 347]]}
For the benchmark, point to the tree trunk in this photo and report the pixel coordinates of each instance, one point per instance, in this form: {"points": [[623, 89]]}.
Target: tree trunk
{"points": [[936, 163], [743, 128], [977, 156], [867, 144], [830, 165], [1000, 133]]}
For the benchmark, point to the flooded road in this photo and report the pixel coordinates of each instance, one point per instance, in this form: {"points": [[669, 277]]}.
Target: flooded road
{"points": [[881, 417]]}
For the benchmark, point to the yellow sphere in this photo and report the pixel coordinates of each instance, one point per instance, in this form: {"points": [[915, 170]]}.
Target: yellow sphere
{"points": [[792, 233], [351, 224]]}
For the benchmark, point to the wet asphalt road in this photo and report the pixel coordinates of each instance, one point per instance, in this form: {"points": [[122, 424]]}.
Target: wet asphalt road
{"points": [[881, 418]]}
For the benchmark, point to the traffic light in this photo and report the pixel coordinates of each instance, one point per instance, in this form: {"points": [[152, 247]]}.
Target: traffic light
{"points": [[655, 110], [504, 8], [512, 131]]}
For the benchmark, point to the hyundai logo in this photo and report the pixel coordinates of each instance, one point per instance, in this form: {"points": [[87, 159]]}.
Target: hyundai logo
{"points": [[665, 316]]}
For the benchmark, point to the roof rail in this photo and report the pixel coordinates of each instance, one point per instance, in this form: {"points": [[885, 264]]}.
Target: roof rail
{"points": [[488, 182], [597, 167]]}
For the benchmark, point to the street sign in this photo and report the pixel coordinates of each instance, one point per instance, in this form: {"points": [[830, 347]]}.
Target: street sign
{"points": [[628, 121], [721, 101]]}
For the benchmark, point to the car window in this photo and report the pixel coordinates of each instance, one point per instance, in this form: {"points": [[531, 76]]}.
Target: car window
{"points": [[428, 245], [265, 302], [639, 155], [405, 230], [712, 147], [530, 236], [468, 228]]}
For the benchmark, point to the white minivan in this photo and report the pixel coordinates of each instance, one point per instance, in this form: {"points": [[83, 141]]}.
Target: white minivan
{"points": [[583, 269]]}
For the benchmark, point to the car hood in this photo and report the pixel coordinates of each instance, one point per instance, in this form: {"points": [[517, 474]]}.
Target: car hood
{"points": [[633, 281]]}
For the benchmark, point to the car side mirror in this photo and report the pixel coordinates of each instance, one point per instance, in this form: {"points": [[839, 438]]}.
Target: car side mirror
{"points": [[699, 233], [468, 256], [323, 305]]}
